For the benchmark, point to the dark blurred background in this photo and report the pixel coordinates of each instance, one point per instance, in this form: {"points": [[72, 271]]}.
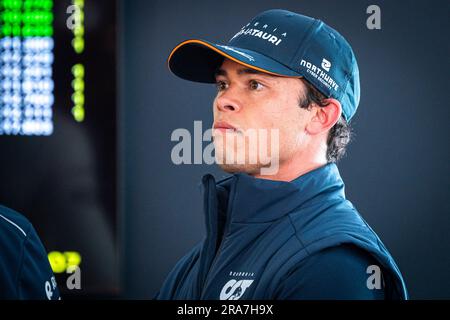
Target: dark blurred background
{"points": [[396, 170], [65, 183]]}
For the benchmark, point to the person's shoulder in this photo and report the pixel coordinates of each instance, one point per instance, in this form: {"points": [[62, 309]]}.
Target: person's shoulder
{"points": [[328, 223], [190, 257], [338, 272], [13, 224], [346, 268], [25, 272], [179, 273], [344, 255]]}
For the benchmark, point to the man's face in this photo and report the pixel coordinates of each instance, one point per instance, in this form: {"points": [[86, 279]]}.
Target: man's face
{"points": [[261, 105]]}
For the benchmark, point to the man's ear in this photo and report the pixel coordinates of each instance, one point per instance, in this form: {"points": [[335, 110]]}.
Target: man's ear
{"points": [[324, 118]]}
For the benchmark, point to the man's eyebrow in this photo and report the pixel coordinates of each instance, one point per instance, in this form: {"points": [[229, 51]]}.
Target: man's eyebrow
{"points": [[251, 71], [222, 72]]}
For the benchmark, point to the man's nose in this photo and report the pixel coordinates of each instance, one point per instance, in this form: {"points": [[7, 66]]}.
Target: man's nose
{"points": [[228, 102]]}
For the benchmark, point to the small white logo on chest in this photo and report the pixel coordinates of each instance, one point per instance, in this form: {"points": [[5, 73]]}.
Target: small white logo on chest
{"points": [[234, 289]]}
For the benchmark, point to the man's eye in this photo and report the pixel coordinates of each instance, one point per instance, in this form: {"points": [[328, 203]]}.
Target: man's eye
{"points": [[255, 85], [221, 85]]}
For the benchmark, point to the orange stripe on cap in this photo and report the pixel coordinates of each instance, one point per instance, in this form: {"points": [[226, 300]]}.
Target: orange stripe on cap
{"points": [[225, 55]]}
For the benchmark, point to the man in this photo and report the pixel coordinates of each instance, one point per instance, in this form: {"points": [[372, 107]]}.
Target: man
{"points": [[286, 232], [25, 271]]}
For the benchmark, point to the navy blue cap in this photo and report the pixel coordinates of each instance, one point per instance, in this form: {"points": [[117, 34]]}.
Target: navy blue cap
{"points": [[281, 43]]}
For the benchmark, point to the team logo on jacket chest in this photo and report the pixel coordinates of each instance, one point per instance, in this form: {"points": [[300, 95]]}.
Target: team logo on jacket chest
{"points": [[235, 288]]}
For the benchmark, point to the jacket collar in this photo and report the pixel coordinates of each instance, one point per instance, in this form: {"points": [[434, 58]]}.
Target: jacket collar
{"points": [[241, 198]]}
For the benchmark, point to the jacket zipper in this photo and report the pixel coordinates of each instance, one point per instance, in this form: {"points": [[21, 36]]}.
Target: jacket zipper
{"points": [[214, 260], [225, 232]]}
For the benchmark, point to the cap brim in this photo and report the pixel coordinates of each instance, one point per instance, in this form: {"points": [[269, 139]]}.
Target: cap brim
{"points": [[198, 60]]}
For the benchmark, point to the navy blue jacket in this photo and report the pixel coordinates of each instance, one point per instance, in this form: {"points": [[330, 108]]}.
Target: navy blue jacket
{"points": [[25, 271], [283, 240]]}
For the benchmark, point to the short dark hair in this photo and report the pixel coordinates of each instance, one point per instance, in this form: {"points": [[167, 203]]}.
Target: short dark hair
{"points": [[339, 135]]}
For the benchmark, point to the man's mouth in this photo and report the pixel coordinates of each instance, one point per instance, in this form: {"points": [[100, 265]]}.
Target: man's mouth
{"points": [[223, 127]]}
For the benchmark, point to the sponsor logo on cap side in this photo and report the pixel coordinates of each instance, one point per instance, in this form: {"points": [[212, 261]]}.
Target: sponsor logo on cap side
{"points": [[320, 74]]}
